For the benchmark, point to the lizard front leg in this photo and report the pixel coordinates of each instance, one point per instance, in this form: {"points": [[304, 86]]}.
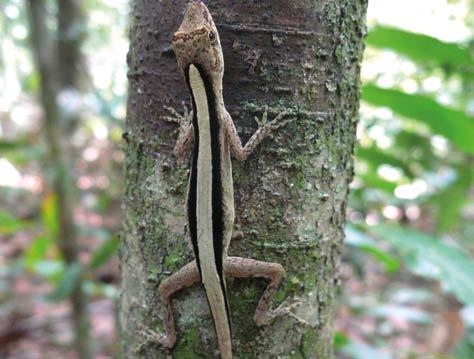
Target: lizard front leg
{"points": [[185, 141], [185, 277], [238, 267], [265, 129]]}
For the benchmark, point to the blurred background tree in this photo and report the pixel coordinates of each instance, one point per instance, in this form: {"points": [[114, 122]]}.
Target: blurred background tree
{"points": [[407, 289], [61, 168], [57, 58]]}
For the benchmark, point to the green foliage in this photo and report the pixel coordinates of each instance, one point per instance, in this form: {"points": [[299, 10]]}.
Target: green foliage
{"points": [[416, 149], [373, 180], [422, 48], [32, 82], [21, 151], [36, 251], [451, 199], [397, 148], [340, 339], [429, 257], [9, 224], [465, 349], [376, 157], [453, 124], [24, 155], [104, 252], [50, 215], [67, 283], [360, 240], [11, 145]]}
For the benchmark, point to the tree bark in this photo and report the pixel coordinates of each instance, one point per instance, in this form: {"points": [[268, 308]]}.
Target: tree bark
{"points": [[67, 240], [72, 70], [73, 77], [290, 195]]}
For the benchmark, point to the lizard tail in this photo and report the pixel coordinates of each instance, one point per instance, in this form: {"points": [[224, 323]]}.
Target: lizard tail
{"points": [[216, 295]]}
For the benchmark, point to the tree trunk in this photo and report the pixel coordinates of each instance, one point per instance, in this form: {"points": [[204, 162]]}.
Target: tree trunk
{"points": [[290, 195], [72, 70], [67, 240]]}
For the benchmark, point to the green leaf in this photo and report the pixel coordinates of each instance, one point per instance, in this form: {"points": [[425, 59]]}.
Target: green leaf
{"points": [[375, 157], [340, 339], [11, 145], [360, 240], [429, 257], [464, 349], [417, 148], [36, 251], [67, 283], [49, 214], [451, 200], [422, 48], [373, 180], [24, 156], [390, 263], [31, 82], [453, 124], [21, 151], [9, 224], [104, 252]]}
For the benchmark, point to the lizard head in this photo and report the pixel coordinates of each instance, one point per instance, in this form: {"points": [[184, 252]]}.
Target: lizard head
{"points": [[197, 41]]}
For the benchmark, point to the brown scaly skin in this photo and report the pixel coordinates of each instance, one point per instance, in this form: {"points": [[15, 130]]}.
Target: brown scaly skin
{"points": [[197, 42]]}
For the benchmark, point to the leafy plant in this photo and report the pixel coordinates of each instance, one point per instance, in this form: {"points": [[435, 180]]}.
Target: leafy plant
{"points": [[426, 141], [453, 124], [9, 224], [429, 257], [36, 251], [104, 252], [423, 49], [359, 240], [67, 282]]}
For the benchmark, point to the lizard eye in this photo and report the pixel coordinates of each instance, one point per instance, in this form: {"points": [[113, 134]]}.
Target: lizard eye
{"points": [[212, 36]]}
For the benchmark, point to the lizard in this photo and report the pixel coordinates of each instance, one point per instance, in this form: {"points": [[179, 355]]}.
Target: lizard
{"points": [[209, 133]]}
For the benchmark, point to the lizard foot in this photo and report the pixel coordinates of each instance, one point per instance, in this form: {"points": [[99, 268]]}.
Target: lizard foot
{"points": [[269, 126], [185, 131], [166, 341], [184, 120], [280, 311]]}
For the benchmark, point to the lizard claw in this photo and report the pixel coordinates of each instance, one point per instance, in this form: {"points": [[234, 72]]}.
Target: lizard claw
{"points": [[261, 123], [166, 341], [281, 310], [183, 120], [274, 124], [262, 320]]}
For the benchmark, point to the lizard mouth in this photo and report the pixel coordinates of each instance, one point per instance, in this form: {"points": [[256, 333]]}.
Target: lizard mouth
{"points": [[186, 36]]}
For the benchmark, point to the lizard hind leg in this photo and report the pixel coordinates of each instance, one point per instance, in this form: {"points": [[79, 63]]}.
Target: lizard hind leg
{"points": [[238, 267], [185, 277]]}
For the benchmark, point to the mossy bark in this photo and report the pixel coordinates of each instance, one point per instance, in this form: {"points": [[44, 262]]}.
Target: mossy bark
{"points": [[290, 195]]}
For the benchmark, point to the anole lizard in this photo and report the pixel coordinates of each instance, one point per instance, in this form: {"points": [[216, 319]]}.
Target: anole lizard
{"points": [[210, 203]]}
